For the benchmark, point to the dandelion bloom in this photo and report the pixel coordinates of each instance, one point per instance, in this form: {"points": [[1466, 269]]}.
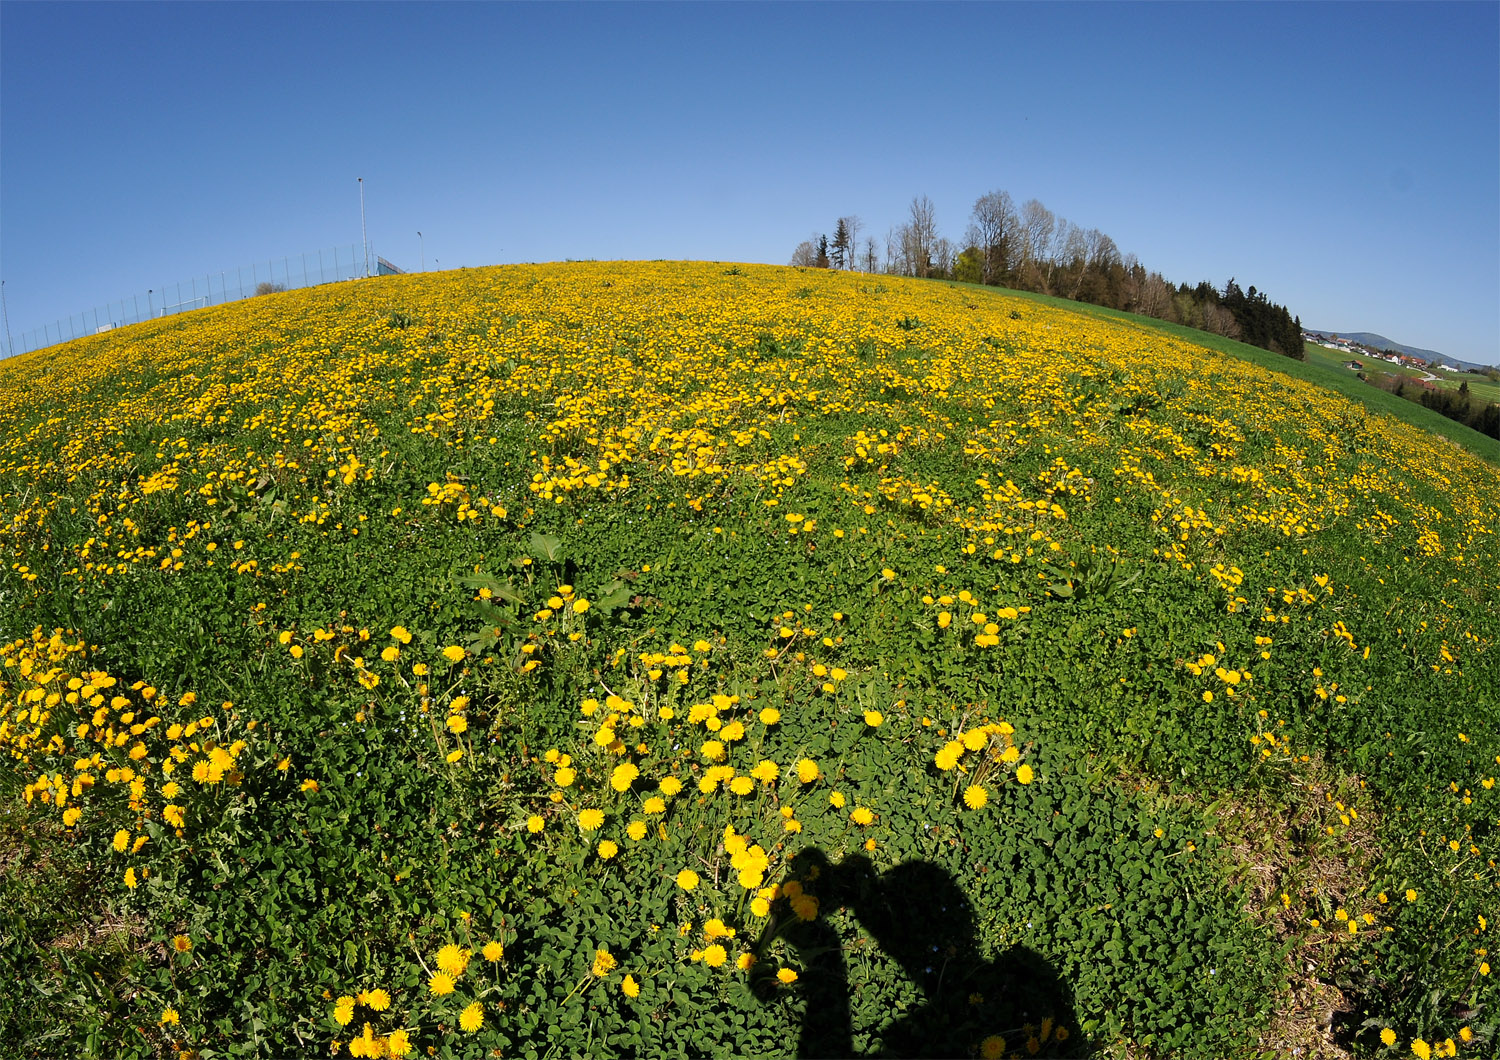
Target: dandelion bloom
{"points": [[1421, 1049], [564, 777], [670, 786], [975, 797], [122, 840], [786, 976], [655, 804], [807, 771], [455, 755], [472, 1018], [636, 830], [453, 653], [534, 824], [770, 716], [308, 785], [630, 988], [604, 963], [181, 943], [742, 785], [1025, 774], [457, 724], [837, 800], [590, 820], [714, 956], [948, 757], [391, 653], [862, 816], [130, 880], [398, 1044], [493, 951], [607, 849], [453, 959], [992, 1048], [378, 1000], [623, 776], [687, 879], [169, 1017], [759, 906], [441, 984], [1388, 1037], [873, 718], [343, 1011]]}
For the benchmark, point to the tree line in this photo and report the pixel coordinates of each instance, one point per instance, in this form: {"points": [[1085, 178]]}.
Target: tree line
{"points": [[1032, 249], [1459, 405]]}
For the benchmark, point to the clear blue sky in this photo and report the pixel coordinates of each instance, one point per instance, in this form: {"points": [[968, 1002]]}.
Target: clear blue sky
{"points": [[1344, 158]]}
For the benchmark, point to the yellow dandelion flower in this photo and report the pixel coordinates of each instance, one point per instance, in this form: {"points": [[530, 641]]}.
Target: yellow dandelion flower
{"points": [[786, 977], [453, 959], [453, 653], [975, 797], [1025, 774], [440, 983], [687, 879], [604, 963], [630, 988], [472, 1018], [591, 819]]}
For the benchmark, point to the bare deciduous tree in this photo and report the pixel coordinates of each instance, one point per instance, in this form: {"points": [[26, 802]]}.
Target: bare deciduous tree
{"points": [[916, 241], [1037, 224], [806, 254], [993, 232]]}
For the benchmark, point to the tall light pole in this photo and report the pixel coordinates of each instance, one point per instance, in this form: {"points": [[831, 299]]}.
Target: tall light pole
{"points": [[364, 232], [423, 244]]}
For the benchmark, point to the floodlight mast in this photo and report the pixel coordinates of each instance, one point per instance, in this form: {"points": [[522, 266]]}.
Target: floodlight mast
{"points": [[363, 231]]}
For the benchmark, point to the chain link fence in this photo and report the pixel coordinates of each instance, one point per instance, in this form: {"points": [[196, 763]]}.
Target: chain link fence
{"points": [[262, 277]]}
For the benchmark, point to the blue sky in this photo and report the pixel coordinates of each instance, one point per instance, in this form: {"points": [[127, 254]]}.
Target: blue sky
{"points": [[1344, 158]]}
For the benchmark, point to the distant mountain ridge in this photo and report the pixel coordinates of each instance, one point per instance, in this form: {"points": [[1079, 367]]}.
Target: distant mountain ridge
{"points": [[1380, 342]]}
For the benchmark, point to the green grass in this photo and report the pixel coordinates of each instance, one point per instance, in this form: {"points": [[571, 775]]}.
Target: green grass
{"points": [[1084, 675], [1329, 373]]}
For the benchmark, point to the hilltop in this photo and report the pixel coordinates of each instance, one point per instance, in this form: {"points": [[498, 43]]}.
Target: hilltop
{"points": [[672, 658]]}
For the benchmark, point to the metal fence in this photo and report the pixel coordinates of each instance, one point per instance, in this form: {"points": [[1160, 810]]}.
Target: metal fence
{"points": [[304, 270]]}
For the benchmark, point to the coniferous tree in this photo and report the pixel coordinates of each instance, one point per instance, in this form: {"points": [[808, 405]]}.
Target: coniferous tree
{"points": [[823, 252], [841, 245]]}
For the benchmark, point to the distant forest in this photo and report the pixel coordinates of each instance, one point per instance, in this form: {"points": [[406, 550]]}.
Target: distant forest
{"points": [[1032, 249]]}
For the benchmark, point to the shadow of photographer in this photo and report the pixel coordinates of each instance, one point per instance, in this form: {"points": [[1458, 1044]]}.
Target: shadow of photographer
{"points": [[1012, 1005]]}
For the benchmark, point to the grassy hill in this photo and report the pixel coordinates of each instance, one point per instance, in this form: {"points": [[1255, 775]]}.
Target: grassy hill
{"points": [[688, 659]]}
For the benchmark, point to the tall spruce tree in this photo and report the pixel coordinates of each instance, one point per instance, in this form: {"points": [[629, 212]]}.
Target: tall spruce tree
{"points": [[840, 245]]}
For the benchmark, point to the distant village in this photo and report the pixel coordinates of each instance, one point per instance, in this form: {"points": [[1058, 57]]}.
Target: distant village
{"points": [[1333, 342]]}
